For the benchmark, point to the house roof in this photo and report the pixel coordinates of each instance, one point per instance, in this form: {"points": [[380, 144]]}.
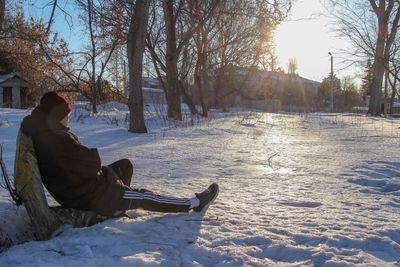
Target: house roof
{"points": [[258, 73], [150, 80], [9, 76], [152, 90]]}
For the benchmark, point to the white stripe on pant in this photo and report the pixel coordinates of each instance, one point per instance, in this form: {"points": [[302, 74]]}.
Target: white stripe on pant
{"points": [[149, 201]]}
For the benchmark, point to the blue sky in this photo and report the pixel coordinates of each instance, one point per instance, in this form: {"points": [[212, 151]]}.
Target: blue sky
{"points": [[69, 27]]}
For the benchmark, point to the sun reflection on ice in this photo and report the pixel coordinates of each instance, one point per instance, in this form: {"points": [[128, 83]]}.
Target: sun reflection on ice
{"points": [[283, 171], [269, 119]]}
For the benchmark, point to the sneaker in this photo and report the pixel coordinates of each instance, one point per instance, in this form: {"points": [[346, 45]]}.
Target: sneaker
{"points": [[207, 197]]}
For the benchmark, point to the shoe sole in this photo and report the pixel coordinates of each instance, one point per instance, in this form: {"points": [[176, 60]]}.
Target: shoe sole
{"points": [[204, 209]]}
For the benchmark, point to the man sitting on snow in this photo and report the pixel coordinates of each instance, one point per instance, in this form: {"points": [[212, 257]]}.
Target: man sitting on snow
{"points": [[73, 175]]}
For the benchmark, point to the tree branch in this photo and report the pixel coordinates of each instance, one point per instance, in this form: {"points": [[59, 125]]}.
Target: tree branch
{"points": [[51, 17]]}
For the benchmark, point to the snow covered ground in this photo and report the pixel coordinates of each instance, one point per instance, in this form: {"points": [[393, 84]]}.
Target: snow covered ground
{"points": [[295, 190]]}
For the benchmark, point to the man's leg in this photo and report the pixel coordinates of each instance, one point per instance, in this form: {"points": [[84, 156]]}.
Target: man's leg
{"points": [[147, 200], [123, 169]]}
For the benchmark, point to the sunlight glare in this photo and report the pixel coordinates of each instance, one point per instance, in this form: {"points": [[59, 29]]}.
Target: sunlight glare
{"points": [[307, 36]]}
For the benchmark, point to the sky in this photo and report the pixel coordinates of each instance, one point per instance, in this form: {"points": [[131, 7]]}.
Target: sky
{"points": [[69, 27], [307, 35]]}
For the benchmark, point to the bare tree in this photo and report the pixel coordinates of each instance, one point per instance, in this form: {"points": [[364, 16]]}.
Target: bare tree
{"points": [[90, 11], [201, 69], [385, 12], [136, 44], [173, 94], [185, 76], [234, 44], [187, 36], [101, 49], [174, 10], [202, 39], [371, 27], [242, 38], [156, 43], [166, 42]]}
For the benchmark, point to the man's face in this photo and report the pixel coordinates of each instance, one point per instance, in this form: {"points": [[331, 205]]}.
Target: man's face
{"points": [[65, 120]]}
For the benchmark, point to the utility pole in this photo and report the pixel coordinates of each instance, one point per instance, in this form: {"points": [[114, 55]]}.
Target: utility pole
{"points": [[125, 89], [331, 80]]}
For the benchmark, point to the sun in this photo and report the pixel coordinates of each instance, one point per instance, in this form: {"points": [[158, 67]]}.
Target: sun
{"points": [[307, 36]]}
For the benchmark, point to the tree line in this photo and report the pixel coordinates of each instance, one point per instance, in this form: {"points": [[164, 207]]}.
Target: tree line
{"points": [[181, 42], [177, 41]]}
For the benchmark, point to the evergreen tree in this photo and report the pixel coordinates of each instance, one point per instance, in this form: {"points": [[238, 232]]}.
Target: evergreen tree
{"points": [[367, 80], [350, 94], [324, 92]]}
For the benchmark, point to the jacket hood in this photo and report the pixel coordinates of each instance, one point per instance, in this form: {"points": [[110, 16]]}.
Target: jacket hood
{"points": [[39, 122]]}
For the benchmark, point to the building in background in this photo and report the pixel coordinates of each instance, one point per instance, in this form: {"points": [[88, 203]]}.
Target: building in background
{"points": [[269, 91], [13, 91], [153, 93], [148, 82]]}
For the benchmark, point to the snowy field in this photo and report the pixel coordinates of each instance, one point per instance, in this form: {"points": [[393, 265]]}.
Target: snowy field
{"points": [[295, 190]]}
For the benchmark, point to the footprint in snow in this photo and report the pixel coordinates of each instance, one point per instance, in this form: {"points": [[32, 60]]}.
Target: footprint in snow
{"points": [[302, 204]]}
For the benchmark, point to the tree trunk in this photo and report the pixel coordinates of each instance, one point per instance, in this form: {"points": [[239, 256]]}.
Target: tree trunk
{"points": [[188, 99], [202, 72], [204, 77], [200, 84], [136, 43], [394, 90], [197, 80], [386, 74], [172, 91], [93, 60], [218, 102], [378, 69], [28, 185], [386, 84], [384, 43], [2, 12]]}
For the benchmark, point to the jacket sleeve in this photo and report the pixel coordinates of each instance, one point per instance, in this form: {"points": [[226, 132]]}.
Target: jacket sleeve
{"points": [[74, 157]]}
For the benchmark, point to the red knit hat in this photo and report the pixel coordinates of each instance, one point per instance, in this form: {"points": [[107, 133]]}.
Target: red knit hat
{"points": [[55, 105]]}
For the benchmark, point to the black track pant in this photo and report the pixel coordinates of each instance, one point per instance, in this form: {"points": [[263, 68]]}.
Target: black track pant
{"points": [[134, 198]]}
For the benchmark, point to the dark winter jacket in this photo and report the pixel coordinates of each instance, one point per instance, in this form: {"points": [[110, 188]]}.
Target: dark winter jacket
{"points": [[71, 172]]}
